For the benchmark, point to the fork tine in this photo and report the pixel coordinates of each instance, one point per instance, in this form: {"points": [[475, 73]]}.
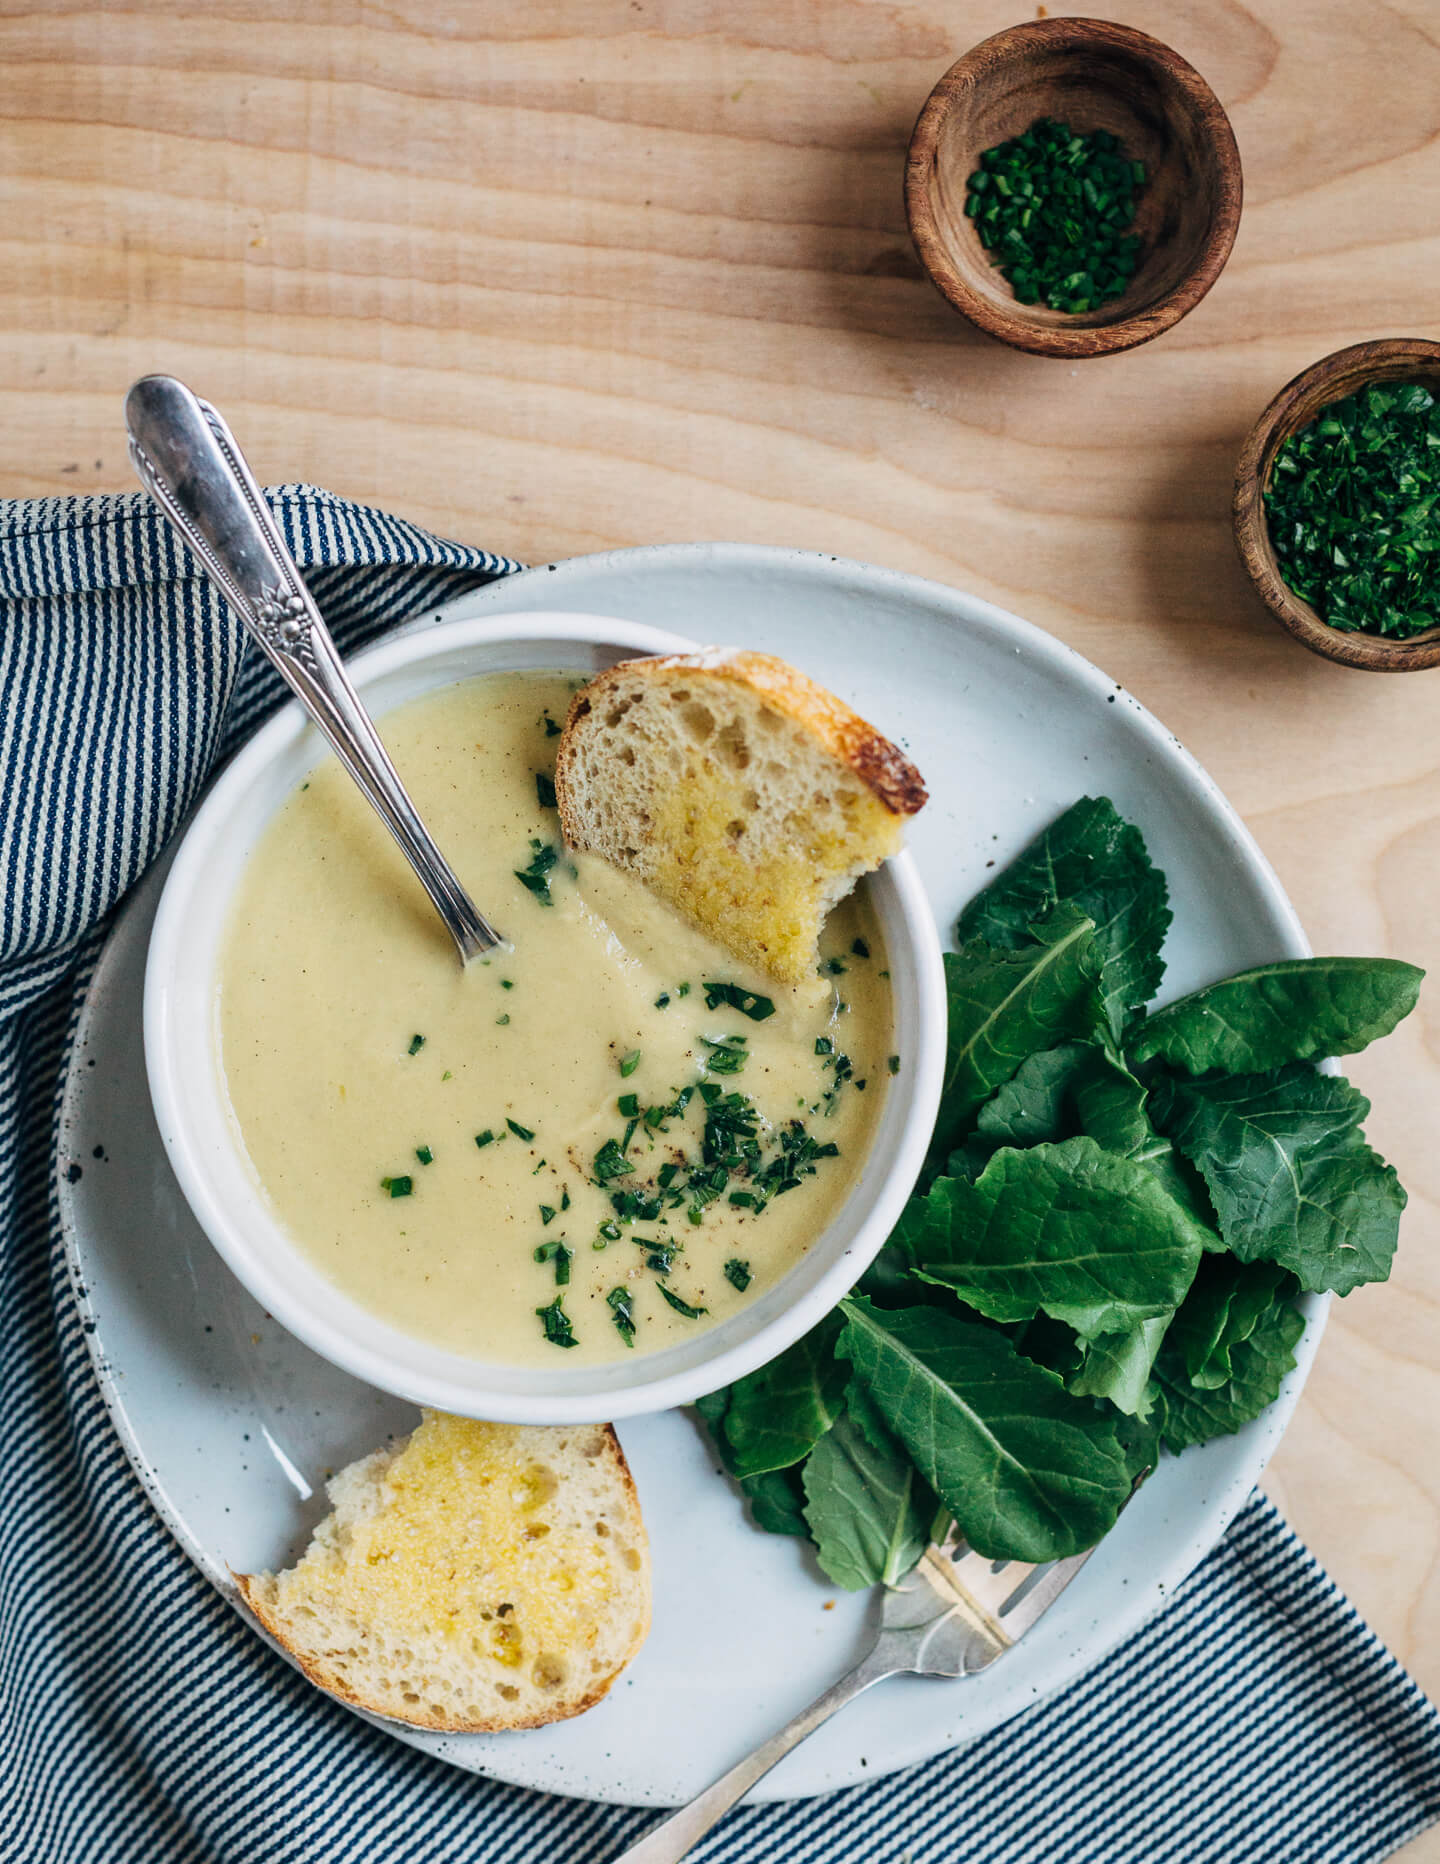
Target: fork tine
{"points": [[1016, 1619]]}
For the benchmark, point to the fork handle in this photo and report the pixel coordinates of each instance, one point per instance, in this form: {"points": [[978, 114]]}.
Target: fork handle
{"points": [[671, 1840]]}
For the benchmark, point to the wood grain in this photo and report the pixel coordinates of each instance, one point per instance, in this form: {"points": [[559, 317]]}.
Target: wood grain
{"points": [[583, 273]]}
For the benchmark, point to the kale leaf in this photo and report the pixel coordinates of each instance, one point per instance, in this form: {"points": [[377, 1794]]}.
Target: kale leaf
{"points": [[1091, 859], [777, 1415], [1188, 1415], [1031, 1107], [1301, 1009], [1289, 1172], [1226, 1304], [1004, 1005], [1028, 1471], [866, 1507], [1071, 1231], [1117, 1366]]}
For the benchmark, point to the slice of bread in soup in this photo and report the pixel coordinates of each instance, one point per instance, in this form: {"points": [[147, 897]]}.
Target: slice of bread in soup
{"points": [[472, 1577], [736, 788]]}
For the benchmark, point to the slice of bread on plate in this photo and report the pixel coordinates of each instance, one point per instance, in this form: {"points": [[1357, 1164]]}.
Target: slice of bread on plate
{"points": [[472, 1577], [739, 790]]}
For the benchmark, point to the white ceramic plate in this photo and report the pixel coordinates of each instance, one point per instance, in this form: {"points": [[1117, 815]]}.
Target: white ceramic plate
{"points": [[232, 1424]]}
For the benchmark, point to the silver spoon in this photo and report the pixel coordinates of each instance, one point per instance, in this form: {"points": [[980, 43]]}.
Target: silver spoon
{"points": [[189, 463]]}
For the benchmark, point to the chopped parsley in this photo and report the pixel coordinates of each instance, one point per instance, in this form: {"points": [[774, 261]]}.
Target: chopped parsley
{"points": [[727, 1054], [737, 1273], [425, 1155], [398, 1187], [544, 790], [620, 1305], [536, 877], [681, 1307], [556, 1323], [610, 1162], [748, 1003], [416, 1044], [629, 1063], [520, 1132]]}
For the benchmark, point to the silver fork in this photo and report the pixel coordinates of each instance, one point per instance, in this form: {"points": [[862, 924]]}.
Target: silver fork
{"points": [[954, 1614]]}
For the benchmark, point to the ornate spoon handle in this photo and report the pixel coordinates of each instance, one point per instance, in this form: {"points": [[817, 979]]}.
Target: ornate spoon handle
{"points": [[188, 462]]}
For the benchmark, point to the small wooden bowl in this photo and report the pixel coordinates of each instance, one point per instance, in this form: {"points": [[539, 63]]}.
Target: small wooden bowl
{"points": [[1091, 75], [1395, 359]]}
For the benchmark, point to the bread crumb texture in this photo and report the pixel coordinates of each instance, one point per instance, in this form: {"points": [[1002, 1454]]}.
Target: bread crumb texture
{"points": [[738, 790], [475, 1577]]}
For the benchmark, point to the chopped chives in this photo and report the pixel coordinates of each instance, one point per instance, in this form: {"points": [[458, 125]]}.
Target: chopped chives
{"points": [[416, 1044], [556, 1323], [681, 1307], [756, 1007], [737, 1273], [629, 1106], [520, 1132], [629, 1063], [398, 1187], [544, 790], [425, 1155], [487, 1138], [621, 1306], [894, 1064], [547, 1213]]}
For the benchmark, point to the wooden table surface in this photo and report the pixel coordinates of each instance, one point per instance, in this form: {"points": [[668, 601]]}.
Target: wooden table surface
{"points": [[571, 274]]}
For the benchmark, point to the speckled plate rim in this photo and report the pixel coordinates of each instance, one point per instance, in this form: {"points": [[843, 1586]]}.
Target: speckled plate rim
{"points": [[1245, 1456]]}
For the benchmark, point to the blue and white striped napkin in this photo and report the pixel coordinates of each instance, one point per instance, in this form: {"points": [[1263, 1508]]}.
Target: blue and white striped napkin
{"points": [[1255, 1721]]}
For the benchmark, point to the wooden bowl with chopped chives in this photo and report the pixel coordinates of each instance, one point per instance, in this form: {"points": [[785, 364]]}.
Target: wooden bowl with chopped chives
{"points": [[1073, 187], [1337, 506]]}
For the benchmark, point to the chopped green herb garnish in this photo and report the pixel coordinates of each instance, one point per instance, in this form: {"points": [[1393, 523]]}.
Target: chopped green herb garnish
{"points": [[544, 790], [683, 990], [737, 1273], [536, 877], [860, 948], [520, 1132], [658, 1256], [564, 1200], [507, 983], [557, 1253], [665, 1177], [416, 1044], [611, 1232], [1054, 208], [824, 1046], [662, 1002], [556, 1323], [610, 1162], [833, 967], [447, 1076], [425, 1155], [725, 1057], [748, 1003], [619, 1302], [1353, 510], [681, 1307], [502, 1022], [629, 1106], [629, 1063], [548, 1213], [398, 1187], [487, 1138], [552, 730], [894, 1064]]}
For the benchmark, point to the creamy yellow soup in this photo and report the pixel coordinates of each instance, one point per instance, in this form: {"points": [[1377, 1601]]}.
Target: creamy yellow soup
{"points": [[591, 1144]]}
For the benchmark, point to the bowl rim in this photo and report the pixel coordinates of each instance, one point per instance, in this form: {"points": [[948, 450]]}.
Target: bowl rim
{"points": [[264, 1258], [1293, 407], [1013, 325]]}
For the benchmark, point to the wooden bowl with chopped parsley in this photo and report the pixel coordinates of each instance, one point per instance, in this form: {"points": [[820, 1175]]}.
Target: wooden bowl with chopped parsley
{"points": [[1073, 187], [1337, 506]]}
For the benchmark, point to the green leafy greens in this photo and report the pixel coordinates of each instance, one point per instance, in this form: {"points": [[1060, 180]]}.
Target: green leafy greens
{"points": [[1116, 1215]]}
